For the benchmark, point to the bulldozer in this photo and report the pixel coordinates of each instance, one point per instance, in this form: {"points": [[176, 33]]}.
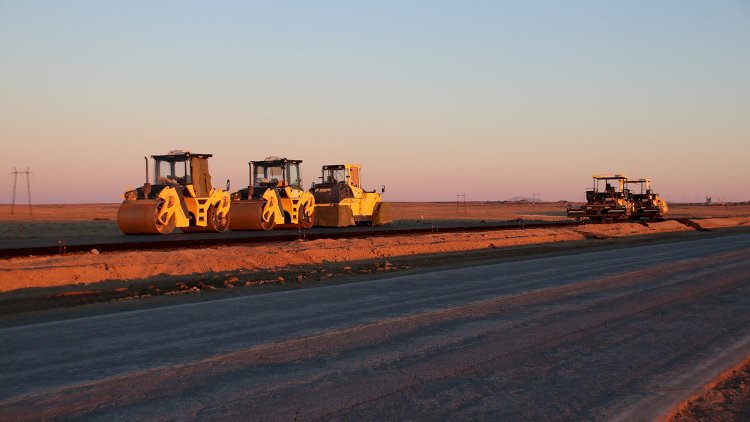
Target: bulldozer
{"points": [[612, 203], [646, 204], [180, 196], [274, 198], [340, 200]]}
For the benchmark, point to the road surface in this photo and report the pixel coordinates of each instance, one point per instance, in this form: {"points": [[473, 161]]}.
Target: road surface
{"points": [[616, 334], [53, 244]]}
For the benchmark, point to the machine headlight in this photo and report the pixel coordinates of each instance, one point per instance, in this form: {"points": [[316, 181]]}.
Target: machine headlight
{"points": [[235, 196], [130, 195]]}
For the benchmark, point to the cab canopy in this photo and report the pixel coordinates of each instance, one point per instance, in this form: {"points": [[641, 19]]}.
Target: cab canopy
{"points": [[347, 173], [609, 180], [183, 168], [274, 171]]}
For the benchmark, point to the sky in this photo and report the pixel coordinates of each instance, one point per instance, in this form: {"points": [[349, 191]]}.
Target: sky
{"points": [[491, 99]]}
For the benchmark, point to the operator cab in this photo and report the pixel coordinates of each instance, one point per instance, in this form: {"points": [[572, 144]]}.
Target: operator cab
{"points": [[341, 173], [334, 174], [178, 167], [614, 189], [183, 168], [276, 172]]}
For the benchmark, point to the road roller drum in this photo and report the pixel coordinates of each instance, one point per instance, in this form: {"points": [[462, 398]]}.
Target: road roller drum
{"points": [[251, 215], [148, 216]]}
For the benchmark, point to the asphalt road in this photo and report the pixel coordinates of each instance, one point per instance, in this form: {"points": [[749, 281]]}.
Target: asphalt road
{"points": [[623, 333], [52, 244]]}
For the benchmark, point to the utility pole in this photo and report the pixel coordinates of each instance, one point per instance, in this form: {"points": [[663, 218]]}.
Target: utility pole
{"points": [[536, 198], [460, 200], [28, 188]]}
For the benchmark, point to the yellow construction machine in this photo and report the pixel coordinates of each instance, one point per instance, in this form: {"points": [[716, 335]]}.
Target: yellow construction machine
{"points": [[273, 198], [619, 203], [340, 200], [646, 204], [180, 196], [610, 204]]}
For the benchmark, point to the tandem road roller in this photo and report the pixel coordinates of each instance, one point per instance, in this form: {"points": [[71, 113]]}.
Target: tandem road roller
{"points": [[274, 198], [180, 196], [340, 200]]}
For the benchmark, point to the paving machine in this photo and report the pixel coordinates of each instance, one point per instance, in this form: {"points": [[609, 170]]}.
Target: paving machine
{"points": [[340, 200], [646, 204], [181, 196], [274, 198], [612, 203]]}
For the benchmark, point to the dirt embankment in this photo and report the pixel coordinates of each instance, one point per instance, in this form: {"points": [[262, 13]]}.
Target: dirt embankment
{"points": [[85, 268]]}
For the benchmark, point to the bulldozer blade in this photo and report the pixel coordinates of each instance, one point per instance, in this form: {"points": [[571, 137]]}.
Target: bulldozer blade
{"points": [[334, 216], [383, 214]]}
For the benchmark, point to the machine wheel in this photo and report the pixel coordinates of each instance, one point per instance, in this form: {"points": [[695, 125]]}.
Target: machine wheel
{"points": [[267, 224], [216, 222], [305, 221], [266, 216], [164, 227]]}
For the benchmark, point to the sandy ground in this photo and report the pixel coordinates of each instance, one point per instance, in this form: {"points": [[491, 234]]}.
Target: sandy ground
{"points": [[727, 398], [59, 212]]}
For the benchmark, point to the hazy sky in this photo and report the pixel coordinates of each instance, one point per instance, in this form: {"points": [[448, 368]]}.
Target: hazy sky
{"points": [[488, 98]]}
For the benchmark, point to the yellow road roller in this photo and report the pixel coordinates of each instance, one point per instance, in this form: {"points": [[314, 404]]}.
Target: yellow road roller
{"points": [[274, 198], [180, 196], [340, 200]]}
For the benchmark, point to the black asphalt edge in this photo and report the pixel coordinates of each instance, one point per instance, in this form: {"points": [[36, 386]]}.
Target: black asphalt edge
{"points": [[63, 248]]}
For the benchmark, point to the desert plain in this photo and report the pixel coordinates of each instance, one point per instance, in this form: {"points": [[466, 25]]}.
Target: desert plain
{"points": [[41, 289]]}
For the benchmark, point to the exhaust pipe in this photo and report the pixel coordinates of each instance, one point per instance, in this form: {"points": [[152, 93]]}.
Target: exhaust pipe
{"points": [[146, 158]]}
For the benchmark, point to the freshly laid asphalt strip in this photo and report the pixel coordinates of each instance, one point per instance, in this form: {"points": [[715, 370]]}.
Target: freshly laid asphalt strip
{"points": [[51, 246]]}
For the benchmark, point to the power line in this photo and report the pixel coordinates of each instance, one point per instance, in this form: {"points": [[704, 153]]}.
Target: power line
{"points": [[460, 202], [15, 174]]}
